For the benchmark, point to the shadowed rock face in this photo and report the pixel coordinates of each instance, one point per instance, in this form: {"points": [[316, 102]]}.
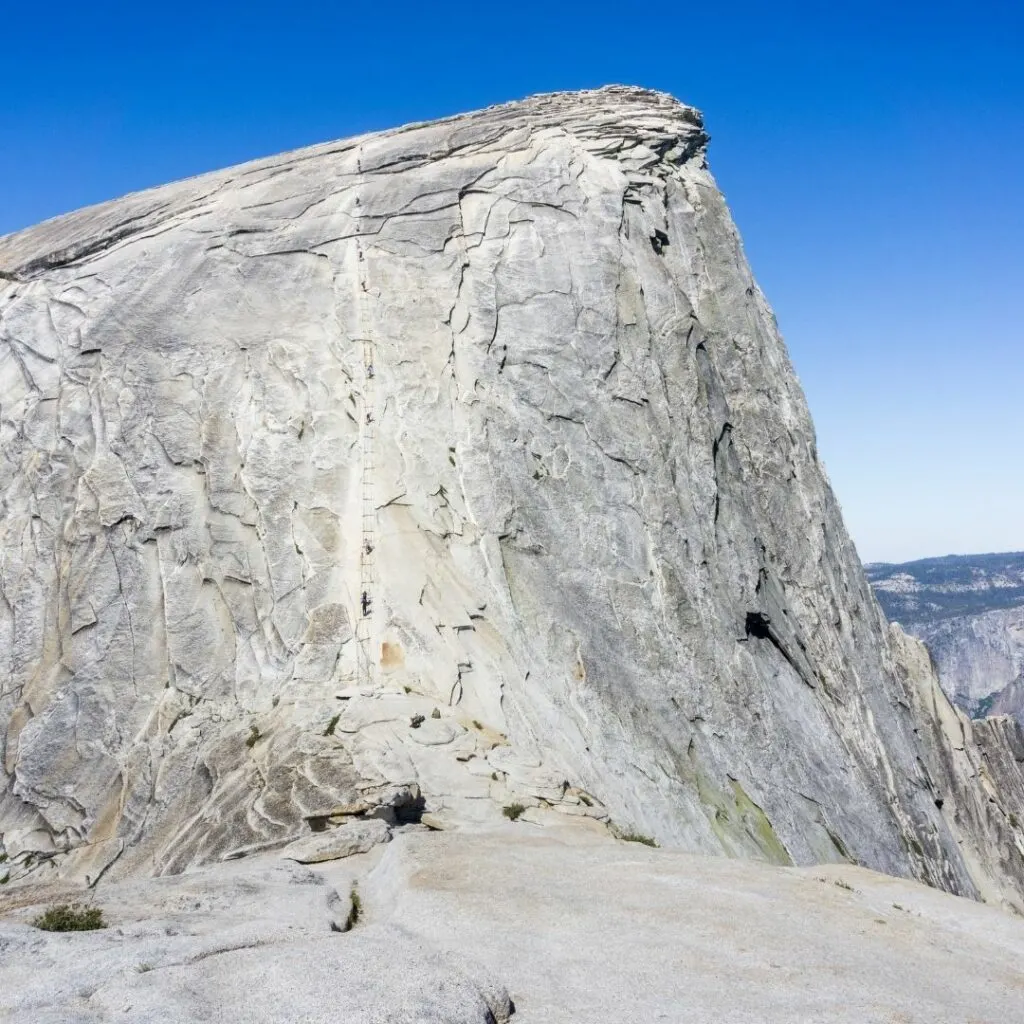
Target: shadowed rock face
{"points": [[485, 417]]}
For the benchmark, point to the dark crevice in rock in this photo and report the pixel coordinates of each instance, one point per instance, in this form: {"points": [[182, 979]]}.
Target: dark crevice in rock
{"points": [[759, 626]]}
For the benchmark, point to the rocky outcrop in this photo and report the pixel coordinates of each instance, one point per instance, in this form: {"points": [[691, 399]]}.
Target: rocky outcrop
{"points": [[334, 844], [464, 457]]}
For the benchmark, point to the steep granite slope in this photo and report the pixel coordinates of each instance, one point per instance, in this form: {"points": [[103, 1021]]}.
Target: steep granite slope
{"points": [[483, 427]]}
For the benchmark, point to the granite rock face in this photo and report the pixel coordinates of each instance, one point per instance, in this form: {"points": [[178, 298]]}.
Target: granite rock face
{"points": [[980, 659], [969, 611], [977, 768], [464, 457], [1009, 700]]}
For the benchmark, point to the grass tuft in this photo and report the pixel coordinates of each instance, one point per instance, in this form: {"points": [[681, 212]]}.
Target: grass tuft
{"points": [[512, 811], [628, 835], [253, 737], [329, 731], [70, 918]]}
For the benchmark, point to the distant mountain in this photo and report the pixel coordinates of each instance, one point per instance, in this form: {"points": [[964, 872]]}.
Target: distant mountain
{"points": [[969, 610], [931, 589]]}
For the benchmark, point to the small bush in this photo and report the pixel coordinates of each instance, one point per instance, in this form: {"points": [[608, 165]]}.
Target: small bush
{"points": [[70, 918], [253, 737], [512, 811], [329, 731]]}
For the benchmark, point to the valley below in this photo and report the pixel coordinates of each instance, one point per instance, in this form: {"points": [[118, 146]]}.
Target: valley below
{"points": [[969, 611]]}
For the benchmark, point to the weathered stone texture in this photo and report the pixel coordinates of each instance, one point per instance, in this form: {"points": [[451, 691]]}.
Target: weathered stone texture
{"points": [[603, 546], [520, 925]]}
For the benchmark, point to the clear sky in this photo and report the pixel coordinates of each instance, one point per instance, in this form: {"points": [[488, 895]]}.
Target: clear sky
{"points": [[872, 153]]}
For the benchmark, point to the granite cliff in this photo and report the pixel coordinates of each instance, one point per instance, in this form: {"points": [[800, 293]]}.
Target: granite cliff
{"points": [[980, 659], [969, 611], [435, 471]]}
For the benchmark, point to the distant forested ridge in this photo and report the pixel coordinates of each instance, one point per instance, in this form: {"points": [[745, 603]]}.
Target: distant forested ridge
{"points": [[941, 588]]}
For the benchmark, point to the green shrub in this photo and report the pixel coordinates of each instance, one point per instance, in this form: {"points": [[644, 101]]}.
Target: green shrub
{"points": [[329, 731], [251, 739], [70, 918], [512, 811]]}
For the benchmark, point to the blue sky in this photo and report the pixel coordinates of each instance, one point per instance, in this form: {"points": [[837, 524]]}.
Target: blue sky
{"points": [[872, 155]]}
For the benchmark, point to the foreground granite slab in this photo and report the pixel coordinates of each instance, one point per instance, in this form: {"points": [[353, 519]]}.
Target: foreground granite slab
{"points": [[540, 926]]}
